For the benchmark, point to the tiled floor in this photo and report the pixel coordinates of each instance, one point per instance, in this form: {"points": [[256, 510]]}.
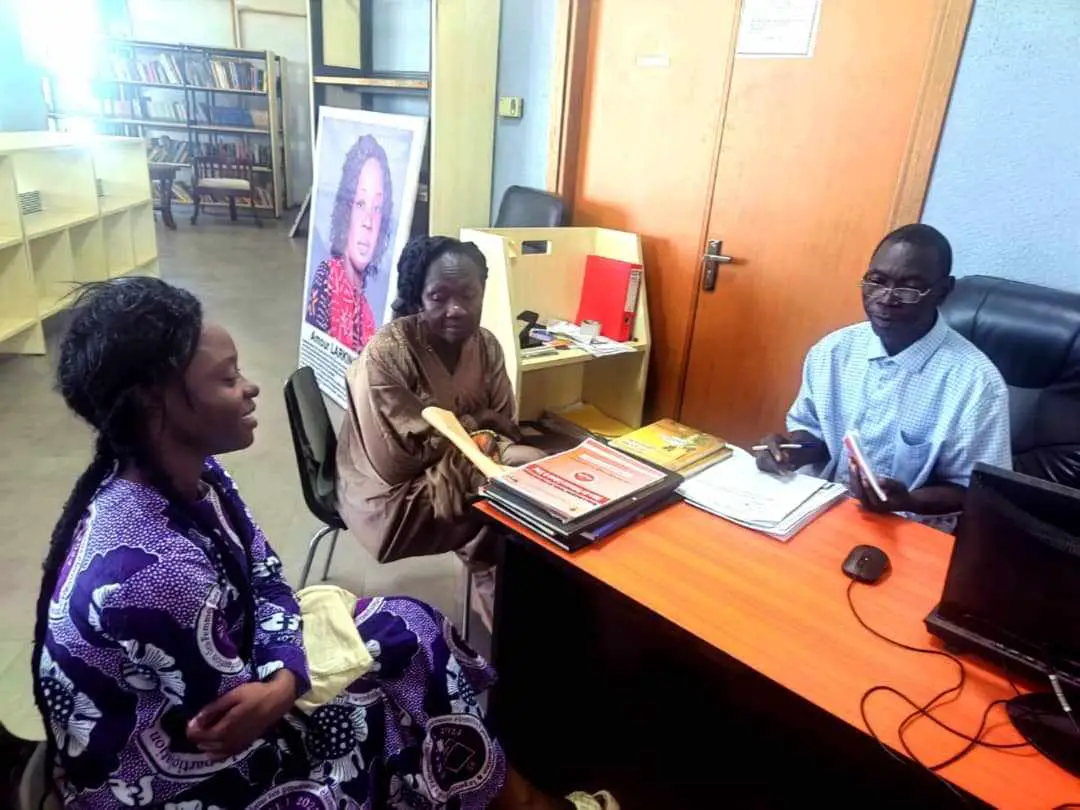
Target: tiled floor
{"points": [[249, 280]]}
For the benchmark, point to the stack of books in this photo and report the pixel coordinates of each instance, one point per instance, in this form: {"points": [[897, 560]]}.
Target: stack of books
{"points": [[572, 498], [674, 446], [580, 496]]}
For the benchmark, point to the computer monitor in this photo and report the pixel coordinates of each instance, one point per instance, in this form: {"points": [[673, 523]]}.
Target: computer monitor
{"points": [[1012, 592]]}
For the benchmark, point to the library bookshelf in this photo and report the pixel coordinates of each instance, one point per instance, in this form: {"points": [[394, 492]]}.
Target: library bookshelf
{"points": [[188, 101], [72, 210]]}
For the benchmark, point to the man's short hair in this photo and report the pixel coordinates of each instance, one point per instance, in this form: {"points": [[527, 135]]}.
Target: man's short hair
{"points": [[924, 238]]}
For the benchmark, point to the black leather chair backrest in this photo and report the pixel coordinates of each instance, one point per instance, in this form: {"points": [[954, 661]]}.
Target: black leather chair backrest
{"points": [[315, 445], [523, 207], [1032, 334]]}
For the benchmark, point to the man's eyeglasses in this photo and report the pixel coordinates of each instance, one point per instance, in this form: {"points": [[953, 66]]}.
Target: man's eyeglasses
{"points": [[905, 295]]}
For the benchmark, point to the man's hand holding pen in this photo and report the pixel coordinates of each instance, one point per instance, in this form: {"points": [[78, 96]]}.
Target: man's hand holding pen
{"points": [[779, 453]]}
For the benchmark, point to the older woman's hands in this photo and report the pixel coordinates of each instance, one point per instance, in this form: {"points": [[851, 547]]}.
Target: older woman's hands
{"points": [[498, 422]]}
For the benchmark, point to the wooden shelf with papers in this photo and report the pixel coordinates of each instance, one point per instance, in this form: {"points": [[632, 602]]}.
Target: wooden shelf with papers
{"points": [[549, 283]]}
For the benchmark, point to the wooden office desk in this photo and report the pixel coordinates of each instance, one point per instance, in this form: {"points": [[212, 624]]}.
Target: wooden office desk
{"points": [[780, 609]]}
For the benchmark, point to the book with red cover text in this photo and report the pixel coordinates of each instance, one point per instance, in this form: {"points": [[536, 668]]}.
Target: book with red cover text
{"points": [[609, 294], [572, 484], [582, 495]]}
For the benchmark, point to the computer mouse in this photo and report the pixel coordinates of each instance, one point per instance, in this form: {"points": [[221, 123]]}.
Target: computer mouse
{"points": [[866, 564]]}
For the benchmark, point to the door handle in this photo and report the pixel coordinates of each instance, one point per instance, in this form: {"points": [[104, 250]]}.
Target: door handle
{"points": [[710, 263]]}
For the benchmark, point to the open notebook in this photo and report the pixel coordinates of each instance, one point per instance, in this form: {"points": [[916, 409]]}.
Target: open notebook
{"points": [[778, 506]]}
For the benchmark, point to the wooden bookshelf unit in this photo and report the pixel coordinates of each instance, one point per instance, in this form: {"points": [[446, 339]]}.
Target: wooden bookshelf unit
{"points": [[72, 210], [188, 101], [549, 283]]}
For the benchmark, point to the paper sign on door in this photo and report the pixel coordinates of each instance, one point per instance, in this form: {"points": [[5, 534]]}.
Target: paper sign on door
{"points": [[778, 28]]}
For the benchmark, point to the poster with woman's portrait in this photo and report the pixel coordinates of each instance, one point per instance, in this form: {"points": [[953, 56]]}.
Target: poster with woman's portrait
{"points": [[367, 166]]}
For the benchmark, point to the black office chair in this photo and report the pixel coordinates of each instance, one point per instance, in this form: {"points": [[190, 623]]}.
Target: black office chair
{"points": [[523, 207], [316, 451], [1032, 335]]}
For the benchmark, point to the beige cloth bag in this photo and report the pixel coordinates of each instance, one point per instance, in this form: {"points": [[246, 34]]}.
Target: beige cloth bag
{"points": [[336, 655]]}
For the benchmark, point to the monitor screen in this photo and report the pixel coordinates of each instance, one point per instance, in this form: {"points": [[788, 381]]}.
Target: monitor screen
{"points": [[1014, 576]]}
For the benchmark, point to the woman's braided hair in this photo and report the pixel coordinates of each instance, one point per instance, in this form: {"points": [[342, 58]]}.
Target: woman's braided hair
{"points": [[365, 149], [414, 262], [127, 338]]}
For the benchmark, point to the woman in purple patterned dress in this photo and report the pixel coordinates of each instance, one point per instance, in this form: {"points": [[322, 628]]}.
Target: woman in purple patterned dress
{"points": [[168, 650]]}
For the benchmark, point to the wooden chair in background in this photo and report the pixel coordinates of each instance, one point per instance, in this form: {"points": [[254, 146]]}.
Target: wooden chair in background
{"points": [[223, 176]]}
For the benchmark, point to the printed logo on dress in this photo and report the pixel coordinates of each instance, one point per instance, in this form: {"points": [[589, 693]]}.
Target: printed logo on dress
{"points": [[157, 745], [138, 795], [457, 755], [296, 796], [208, 636]]}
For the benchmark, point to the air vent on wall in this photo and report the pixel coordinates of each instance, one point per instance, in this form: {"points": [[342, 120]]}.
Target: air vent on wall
{"points": [[30, 202]]}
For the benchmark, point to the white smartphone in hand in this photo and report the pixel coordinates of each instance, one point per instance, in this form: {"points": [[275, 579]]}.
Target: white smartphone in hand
{"points": [[851, 442]]}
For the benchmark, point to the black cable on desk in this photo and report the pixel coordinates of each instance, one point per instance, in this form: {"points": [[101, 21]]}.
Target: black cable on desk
{"points": [[926, 709]]}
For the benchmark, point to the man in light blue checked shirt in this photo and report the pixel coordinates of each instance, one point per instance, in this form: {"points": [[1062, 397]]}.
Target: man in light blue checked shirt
{"points": [[927, 404]]}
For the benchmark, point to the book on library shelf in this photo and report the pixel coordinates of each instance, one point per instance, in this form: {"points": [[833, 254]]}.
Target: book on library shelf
{"points": [[674, 446], [167, 150], [146, 109], [197, 69], [164, 149], [180, 194]]}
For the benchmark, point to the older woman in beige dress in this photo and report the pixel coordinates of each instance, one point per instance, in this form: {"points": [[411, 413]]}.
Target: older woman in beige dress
{"points": [[403, 488]]}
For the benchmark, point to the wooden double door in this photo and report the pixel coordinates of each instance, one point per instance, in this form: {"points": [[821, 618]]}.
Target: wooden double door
{"points": [[797, 165]]}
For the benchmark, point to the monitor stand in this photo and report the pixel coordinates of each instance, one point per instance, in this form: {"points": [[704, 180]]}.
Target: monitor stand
{"points": [[1040, 720]]}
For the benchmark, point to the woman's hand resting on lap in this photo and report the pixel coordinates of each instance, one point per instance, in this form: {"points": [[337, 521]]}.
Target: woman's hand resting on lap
{"points": [[235, 720], [500, 423], [487, 443]]}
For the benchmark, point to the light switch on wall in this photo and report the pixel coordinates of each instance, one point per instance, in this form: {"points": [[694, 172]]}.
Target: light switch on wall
{"points": [[510, 106]]}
